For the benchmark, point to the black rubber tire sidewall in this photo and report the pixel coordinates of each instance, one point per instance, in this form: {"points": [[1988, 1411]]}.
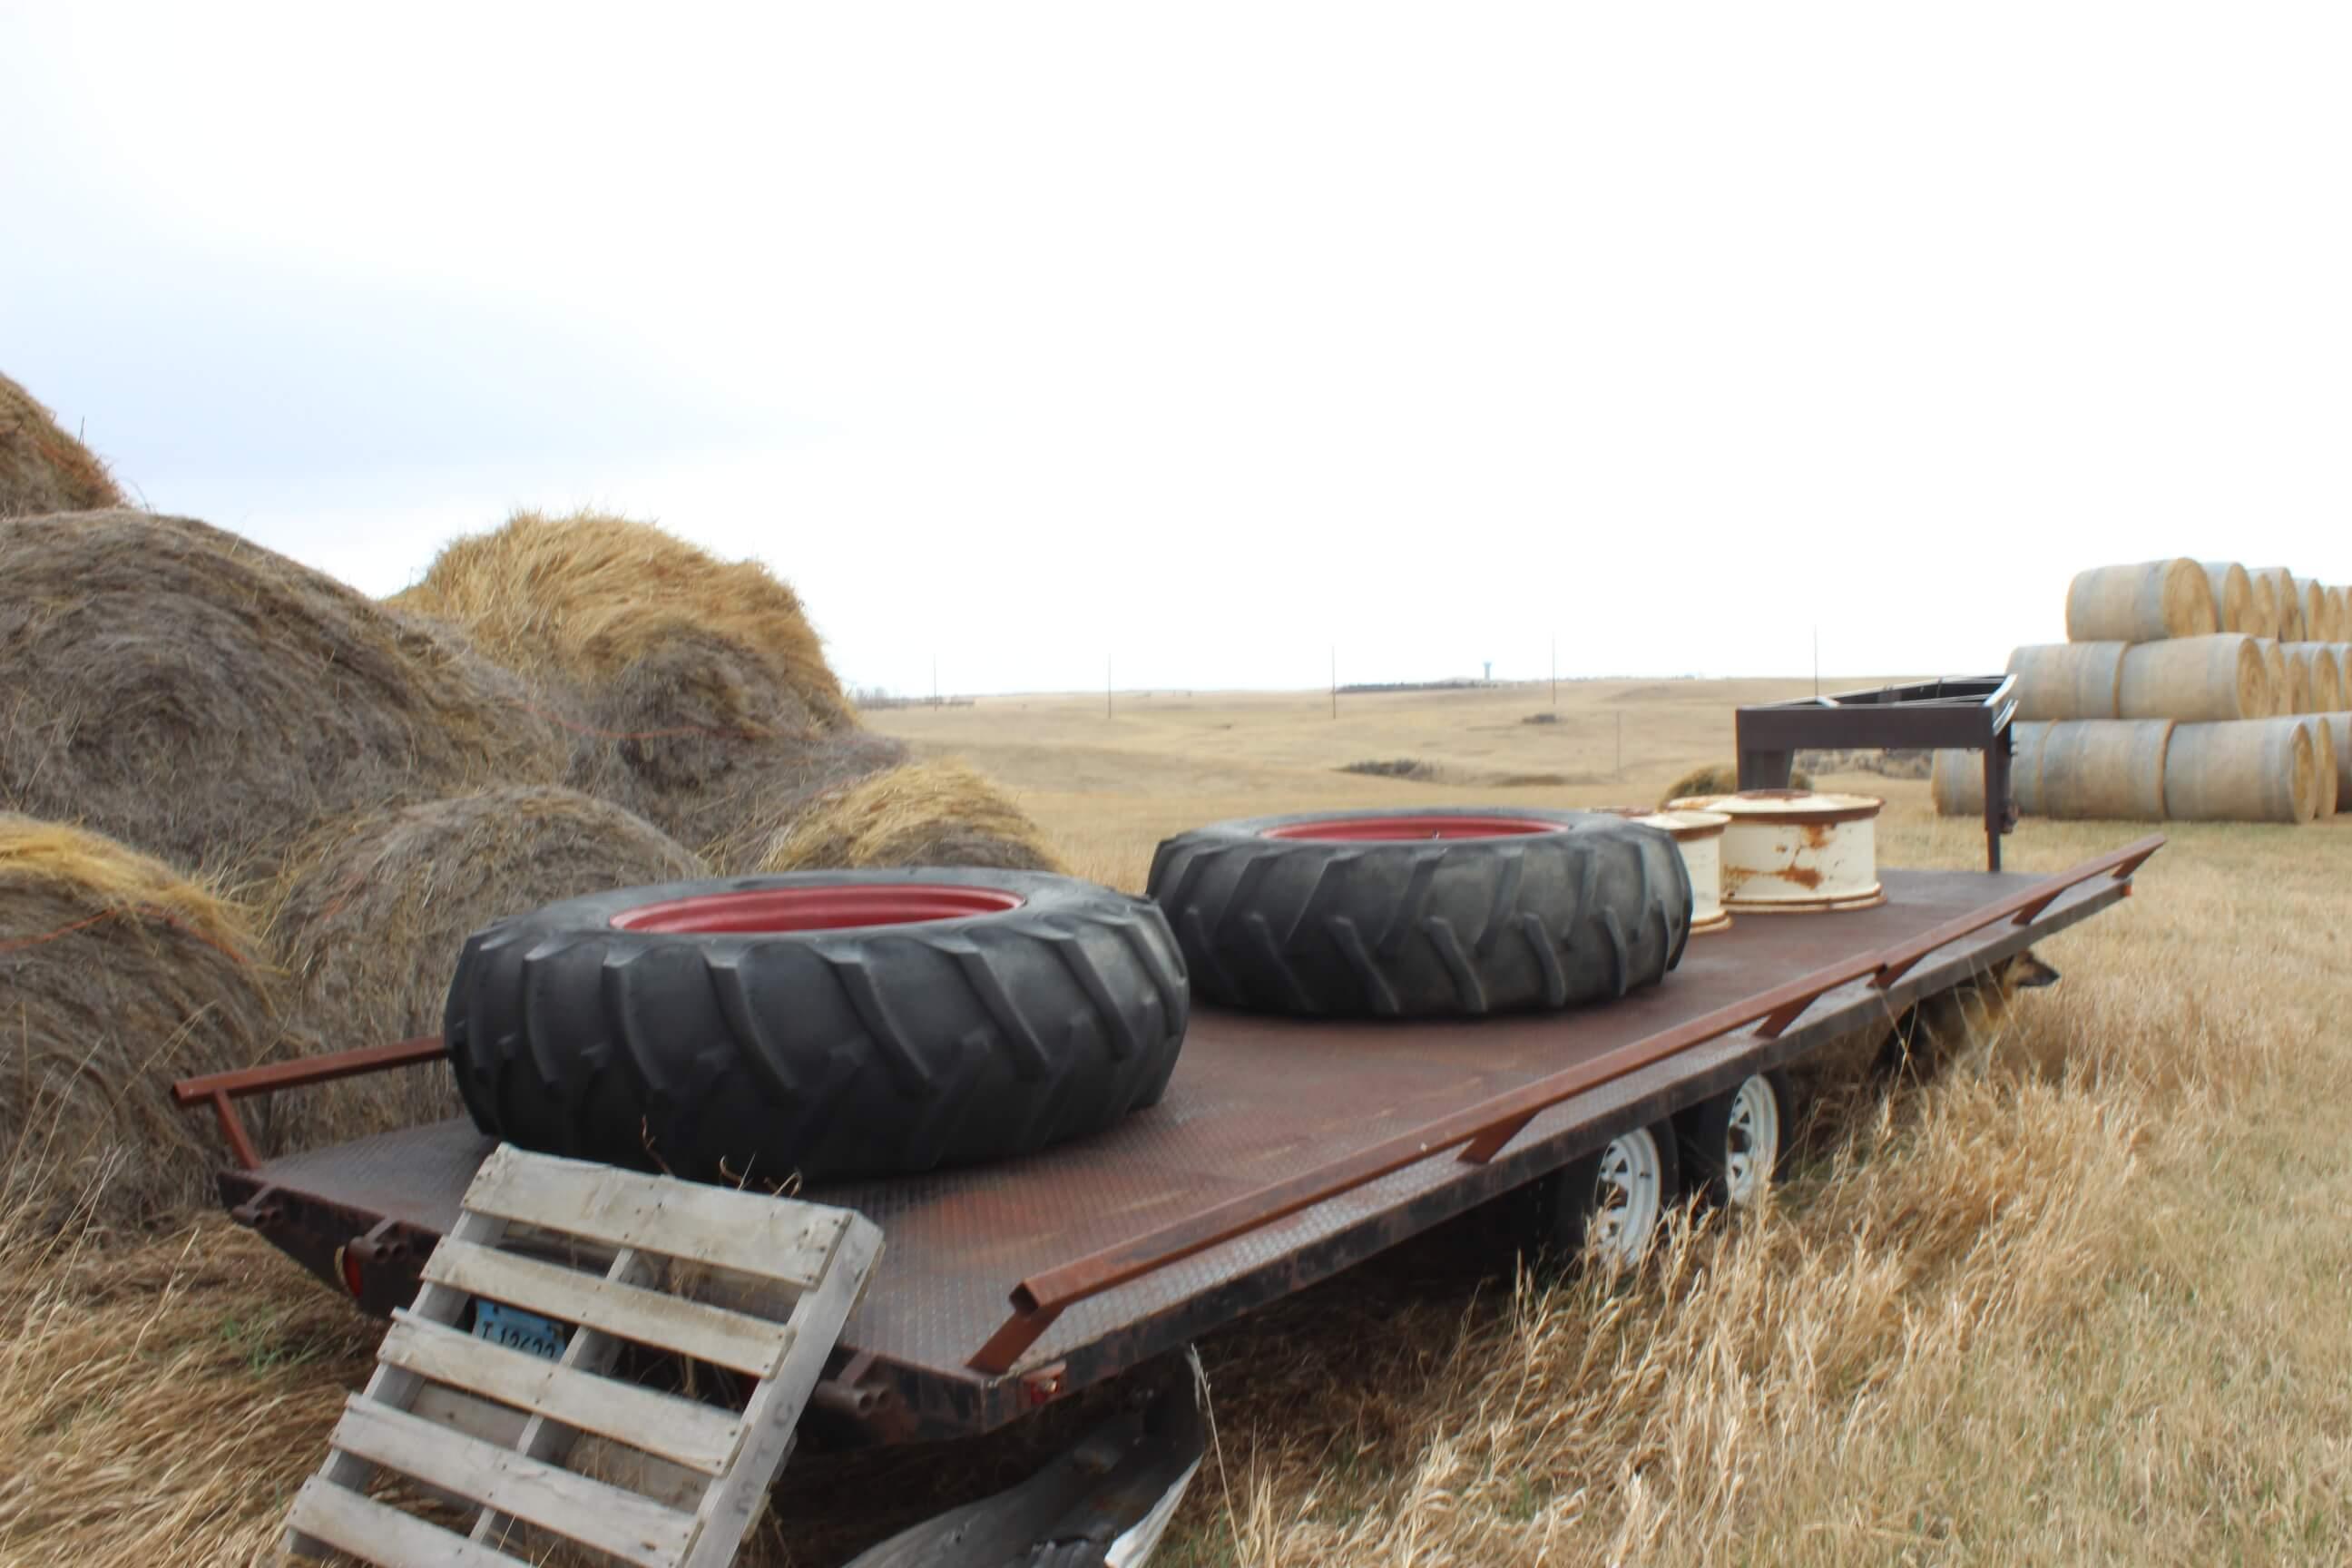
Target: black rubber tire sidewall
{"points": [[1424, 927], [1705, 1133], [873, 1050], [1568, 1199]]}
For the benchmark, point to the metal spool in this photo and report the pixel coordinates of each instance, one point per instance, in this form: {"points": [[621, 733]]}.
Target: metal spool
{"points": [[1791, 851]]}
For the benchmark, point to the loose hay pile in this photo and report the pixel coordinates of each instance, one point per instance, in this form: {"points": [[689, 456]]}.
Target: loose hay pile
{"points": [[700, 690], [120, 976], [926, 814], [1721, 779], [208, 700], [42, 468], [374, 909]]}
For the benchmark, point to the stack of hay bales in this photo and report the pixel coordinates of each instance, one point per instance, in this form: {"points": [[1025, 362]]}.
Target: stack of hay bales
{"points": [[2186, 691], [202, 740]]}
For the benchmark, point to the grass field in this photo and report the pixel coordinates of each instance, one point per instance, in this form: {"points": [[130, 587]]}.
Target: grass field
{"points": [[2087, 1297]]}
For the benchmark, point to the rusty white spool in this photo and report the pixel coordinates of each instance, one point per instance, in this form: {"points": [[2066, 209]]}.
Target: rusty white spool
{"points": [[1787, 850], [1699, 835]]}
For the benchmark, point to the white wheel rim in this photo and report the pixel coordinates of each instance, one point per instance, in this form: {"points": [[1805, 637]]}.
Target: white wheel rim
{"points": [[1628, 1197], [1751, 1142]]}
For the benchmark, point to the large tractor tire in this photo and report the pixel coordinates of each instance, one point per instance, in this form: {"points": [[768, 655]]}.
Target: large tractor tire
{"points": [[1423, 914], [824, 1024]]}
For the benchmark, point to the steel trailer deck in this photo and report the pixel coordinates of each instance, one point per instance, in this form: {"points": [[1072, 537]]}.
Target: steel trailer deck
{"points": [[1283, 1151]]}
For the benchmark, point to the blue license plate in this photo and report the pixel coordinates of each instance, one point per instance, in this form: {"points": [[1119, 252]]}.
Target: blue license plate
{"points": [[518, 1330]]}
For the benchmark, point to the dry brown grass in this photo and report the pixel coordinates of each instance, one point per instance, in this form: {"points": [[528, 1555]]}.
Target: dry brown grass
{"points": [[117, 975], [203, 699], [2079, 1299], [374, 909], [925, 814], [42, 468]]}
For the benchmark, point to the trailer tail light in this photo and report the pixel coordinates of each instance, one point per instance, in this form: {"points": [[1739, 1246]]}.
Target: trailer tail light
{"points": [[349, 1268]]}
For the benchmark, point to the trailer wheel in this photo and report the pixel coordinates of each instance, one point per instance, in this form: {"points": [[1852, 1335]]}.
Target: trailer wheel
{"points": [[1731, 1145], [1609, 1205], [824, 1024], [1422, 914]]}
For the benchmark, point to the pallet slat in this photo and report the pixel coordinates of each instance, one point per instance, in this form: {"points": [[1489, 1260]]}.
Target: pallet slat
{"points": [[635, 1529], [749, 1233], [774, 1411], [384, 1536], [695, 1435], [713, 1334]]}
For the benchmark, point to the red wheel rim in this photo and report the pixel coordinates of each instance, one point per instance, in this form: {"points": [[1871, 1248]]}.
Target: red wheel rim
{"points": [[843, 906], [1405, 827]]}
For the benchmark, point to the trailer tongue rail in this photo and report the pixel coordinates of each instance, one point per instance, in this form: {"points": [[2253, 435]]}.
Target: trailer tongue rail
{"points": [[223, 1090], [1482, 1131]]}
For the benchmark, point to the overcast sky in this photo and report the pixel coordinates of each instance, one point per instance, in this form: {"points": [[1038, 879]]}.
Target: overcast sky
{"points": [[1204, 338]]}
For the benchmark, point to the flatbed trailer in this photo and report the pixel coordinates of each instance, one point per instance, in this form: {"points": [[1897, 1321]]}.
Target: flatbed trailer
{"points": [[1285, 1152]]}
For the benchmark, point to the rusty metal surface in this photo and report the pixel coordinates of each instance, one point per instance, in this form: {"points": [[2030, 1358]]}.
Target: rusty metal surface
{"points": [[221, 1090], [1256, 1100]]}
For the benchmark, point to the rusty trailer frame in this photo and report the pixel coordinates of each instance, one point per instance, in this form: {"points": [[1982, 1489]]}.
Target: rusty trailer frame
{"points": [[1962, 712], [1285, 1152]]}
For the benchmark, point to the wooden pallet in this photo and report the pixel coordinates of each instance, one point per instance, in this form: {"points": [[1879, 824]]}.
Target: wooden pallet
{"points": [[623, 1259]]}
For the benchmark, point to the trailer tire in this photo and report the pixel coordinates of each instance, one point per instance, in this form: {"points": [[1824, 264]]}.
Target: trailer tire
{"points": [[1732, 1145], [1642, 1170], [1423, 914], [825, 1024]]}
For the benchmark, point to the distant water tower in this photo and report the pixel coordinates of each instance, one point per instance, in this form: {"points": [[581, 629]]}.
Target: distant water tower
{"points": [[1490, 669]]}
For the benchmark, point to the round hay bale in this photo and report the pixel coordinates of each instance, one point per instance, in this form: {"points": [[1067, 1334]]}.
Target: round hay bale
{"points": [[2263, 610], [2310, 599], [2323, 760], [2299, 683], [581, 598], [2262, 771], [42, 468], [2282, 690], [2234, 595], [205, 700], [925, 814], [1956, 782], [2339, 733], [373, 910], [2289, 601], [2206, 678], [2068, 679], [1956, 777], [2335, 628], [696, 738], [2026, 741], [699, 690], [2323, 675], [2106, 771], [120, 976], [2142, 603]]}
